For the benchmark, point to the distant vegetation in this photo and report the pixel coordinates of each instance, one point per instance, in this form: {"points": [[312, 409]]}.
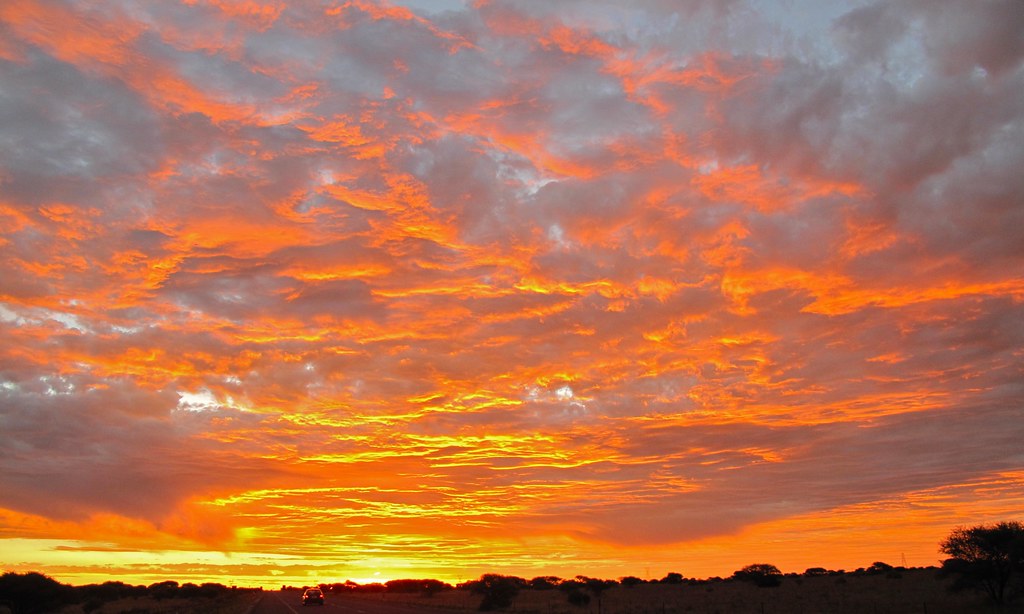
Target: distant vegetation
{"points": [[985, 558], [35, 593], [761, 587]]}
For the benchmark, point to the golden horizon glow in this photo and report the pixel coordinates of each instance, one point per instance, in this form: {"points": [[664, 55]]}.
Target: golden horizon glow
{"points": [[327, 291]]}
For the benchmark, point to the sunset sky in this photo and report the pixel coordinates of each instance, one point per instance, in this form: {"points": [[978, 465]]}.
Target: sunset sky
{"points": [[316, 291]]}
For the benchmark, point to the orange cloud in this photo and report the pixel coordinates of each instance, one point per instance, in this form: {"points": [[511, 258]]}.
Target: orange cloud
{"points": [[71, 35], [262, 14], [747, 185]]}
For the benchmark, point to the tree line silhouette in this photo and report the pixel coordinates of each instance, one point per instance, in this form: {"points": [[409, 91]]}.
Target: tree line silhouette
{"points": [[35, 593], [987, 558]]}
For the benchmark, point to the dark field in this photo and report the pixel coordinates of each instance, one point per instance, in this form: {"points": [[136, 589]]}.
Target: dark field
{"points": [[909, 591]]}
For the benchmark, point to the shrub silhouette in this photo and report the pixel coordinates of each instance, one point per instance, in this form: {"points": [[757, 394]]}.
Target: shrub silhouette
{"points": [[34, 593]]}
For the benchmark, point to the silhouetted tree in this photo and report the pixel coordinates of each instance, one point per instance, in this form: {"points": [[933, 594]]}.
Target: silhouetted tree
{"points": [[210, 590], [630, 581], [544, 583], [986, 557], [567, 585], [761, 574], [878, 567], [189, 590], [672, 578], [163, 590], [498, 591]]}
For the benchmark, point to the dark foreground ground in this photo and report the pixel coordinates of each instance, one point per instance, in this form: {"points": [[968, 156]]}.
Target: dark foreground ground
{"points": [[915, 591]]}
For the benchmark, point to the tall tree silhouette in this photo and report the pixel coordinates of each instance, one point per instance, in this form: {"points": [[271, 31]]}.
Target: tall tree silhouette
{"points": [[987, 557]]}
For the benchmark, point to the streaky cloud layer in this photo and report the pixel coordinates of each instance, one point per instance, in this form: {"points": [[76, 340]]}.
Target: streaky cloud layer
{"points": [[296, 291]]}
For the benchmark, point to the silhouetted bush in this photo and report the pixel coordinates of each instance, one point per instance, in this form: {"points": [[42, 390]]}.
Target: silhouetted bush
{"points": [[761, 574], [33, 593]]}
